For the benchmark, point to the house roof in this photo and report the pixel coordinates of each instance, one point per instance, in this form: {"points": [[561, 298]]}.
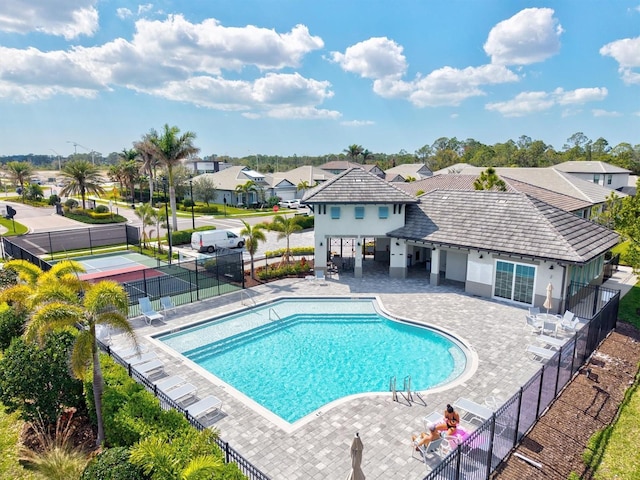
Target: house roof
{"points": [[339, 165], [589, 167], [415, 170], [311, 175], [465, 182], [548, 178], [357, 186], [510, 223], [230, 178]]}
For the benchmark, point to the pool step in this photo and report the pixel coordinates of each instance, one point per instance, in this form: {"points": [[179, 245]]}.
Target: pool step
{"points": [[215, 348]]}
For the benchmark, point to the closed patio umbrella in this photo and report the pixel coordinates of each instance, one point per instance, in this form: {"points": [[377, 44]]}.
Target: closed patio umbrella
{"points": [[548, 302], [356, 459]]}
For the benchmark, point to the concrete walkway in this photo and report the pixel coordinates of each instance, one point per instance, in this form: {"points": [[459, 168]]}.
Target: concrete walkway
{"points": [[317, 447]]}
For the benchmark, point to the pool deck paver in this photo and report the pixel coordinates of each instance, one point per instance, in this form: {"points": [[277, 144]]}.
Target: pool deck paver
{"points": [[319, 448]]}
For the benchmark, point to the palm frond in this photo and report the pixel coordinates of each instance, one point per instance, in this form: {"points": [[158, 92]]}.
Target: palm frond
{"points": [[19, 295], [67, 266], [82, 354], [54, 291], [106, 295], [201, 468], [27, 271], [52, 316]]}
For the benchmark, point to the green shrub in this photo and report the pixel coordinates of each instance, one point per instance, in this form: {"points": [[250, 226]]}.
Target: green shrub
{"points": [[96, 218], [102, 209], [305, 221], [296, 268], [187, 203], [53, 199], [113, 464], [71, 203], [212, 209], [11, 325], [35, 380], [296, 251]]}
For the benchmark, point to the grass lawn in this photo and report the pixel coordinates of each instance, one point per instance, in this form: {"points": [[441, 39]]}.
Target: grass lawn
{"points": [[13, 228], [10, 426], [615, 449]]}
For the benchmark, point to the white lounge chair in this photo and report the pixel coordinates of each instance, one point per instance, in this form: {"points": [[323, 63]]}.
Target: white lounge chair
{"points": [[547, 340], [167, 305], [130, 352], [539, 352], [432, 447], [205, 407], [150, 368], [182, 392], [475, 411], [147, 310], [167, 383], [569, 321], [145, 357]]}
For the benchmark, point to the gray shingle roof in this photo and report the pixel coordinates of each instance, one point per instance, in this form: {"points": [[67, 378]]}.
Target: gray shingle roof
{"points": [[573, 166], [357, 186], [465, 182], [504, 222]]}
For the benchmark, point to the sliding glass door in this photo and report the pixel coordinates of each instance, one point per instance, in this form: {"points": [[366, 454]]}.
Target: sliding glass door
{"points": [[514, 281]]}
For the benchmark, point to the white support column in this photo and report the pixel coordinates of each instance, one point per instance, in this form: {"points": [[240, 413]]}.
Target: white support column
{"points": [[320, 257], [434, 279], [357, 270], [398, 259]]}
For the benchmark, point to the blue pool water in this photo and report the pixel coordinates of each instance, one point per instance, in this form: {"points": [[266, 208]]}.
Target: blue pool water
{"points": [[294, 356]]}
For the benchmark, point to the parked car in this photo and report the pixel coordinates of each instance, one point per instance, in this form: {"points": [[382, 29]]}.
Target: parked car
{"points": [[209, 240], [290, 203]]}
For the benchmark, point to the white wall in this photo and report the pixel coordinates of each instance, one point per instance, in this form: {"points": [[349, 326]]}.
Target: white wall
{"points": [[347, 225], [456, 266]]}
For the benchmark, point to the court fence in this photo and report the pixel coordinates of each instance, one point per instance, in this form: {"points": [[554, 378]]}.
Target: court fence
{"points": [[478, 456], [231, 455], [185, 281], [41, 244]]}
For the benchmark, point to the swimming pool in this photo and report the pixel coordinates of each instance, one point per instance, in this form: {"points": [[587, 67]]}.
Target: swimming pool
{"points": [[295, 356]]}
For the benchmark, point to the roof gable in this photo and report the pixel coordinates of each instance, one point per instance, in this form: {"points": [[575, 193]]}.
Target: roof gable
{"points": [[357, 186]]}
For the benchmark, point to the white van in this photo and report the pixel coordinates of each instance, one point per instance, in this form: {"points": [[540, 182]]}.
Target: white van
{"points": [[209, 240]]}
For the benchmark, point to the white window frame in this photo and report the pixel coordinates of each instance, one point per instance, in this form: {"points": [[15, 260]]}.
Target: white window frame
{"points": [[513, 281]]}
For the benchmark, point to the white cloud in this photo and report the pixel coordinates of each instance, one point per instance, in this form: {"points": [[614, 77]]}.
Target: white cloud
{"points": [[531, 35], [523, 104], [142, 9], [375, 58], [580, 95], [526, 103], [627, 53], [181, 61], [445, 86], [357, 123], [597, 112], [66, 18], [123, 13], [303, 113]]}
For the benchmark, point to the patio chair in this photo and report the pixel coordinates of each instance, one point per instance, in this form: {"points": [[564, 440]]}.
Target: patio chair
{"points": [[147, 310], [145, 357], [432, 447], [166, 303], [208, 405], [534, 324], [182, 392], [149, 368], [549, 326], [569, 321], [534, 311], [167, 383]]}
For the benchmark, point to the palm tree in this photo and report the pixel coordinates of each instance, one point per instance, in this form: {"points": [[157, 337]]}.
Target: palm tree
{"points": [[253, 235], [83, 177], [353, 151], [20, 173], [285, 227], [59, 300], [302, 185], [116, 174], [246, 189], [489, 180], [366, 155], [147, 216], [170, 148], [145, 148]]}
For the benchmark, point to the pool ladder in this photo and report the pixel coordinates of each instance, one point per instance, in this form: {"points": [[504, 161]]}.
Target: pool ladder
{"points": [[406, 391], [271, 310]]}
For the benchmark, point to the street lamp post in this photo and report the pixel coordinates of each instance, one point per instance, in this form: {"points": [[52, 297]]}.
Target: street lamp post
{"points": [[166, 212], [225, 205], [193, 218]]}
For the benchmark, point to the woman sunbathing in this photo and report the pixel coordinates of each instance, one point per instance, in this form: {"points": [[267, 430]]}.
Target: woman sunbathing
{"points": [[424, 438], [451, 421]]}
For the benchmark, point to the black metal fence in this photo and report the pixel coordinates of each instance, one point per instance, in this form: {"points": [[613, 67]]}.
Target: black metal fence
{"points": [[43, 243], [185, 281], [481, 453], [230, 454], [10, 248], [611, 266]]}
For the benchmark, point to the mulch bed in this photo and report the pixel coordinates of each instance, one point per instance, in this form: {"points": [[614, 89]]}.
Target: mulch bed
{"points": [[588, 404]]}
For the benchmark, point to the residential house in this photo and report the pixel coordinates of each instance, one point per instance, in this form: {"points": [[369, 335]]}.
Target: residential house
{"points": [[600, 173], [417, 171], [338, 166]]}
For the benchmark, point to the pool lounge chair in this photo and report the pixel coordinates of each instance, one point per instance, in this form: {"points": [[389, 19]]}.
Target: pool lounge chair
{"points": [[149, 368], [167, 383], [541, 353], [145, 357], [182, 392], [167, 305], [432, 447], [147, 310], [206, 406], [473, 410]]}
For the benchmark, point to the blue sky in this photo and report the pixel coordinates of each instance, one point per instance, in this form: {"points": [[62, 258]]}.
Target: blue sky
{"points": [[284, 77]]}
